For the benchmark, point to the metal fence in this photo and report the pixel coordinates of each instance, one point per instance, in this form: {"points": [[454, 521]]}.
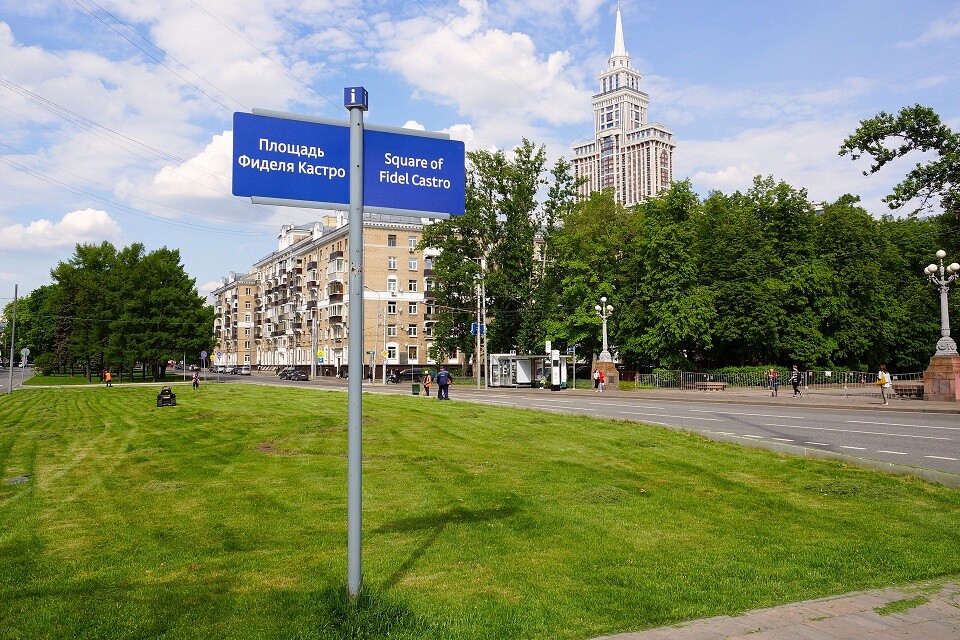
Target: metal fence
{"points": [[815, 381]]}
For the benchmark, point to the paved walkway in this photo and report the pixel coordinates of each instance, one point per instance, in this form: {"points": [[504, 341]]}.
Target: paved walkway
{"points": [[921, 612]]}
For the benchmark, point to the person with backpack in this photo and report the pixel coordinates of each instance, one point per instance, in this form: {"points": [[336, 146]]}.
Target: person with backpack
{"points": [[443, 384], [596, 379], [795, 381]]}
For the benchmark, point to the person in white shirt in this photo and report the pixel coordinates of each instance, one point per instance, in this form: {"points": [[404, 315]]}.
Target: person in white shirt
{"points": [[883, 379]]}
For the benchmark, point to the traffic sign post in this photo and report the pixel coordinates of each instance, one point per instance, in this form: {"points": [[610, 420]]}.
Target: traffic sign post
{"points": [[292, 160]]}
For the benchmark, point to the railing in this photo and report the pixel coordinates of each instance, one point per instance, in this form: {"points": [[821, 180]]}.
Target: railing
{"points": [[842, 383]]}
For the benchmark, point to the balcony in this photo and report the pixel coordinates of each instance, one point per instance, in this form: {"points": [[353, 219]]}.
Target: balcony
{"points": [[313, 284], [429, 295], [336, 297], [334, 255], [427, 271], [298, 270], [312, 304], [311, 265], [336, 319]]}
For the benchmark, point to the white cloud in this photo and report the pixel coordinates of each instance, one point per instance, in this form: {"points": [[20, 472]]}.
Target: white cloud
{"points": [[938, 31], [87, 226], [487, 74]]}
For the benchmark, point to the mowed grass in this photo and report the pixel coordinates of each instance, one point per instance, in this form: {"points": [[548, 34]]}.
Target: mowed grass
{"points": [[225, 517]]}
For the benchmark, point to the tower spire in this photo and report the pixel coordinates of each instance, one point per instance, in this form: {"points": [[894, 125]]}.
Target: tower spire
{"points": [[619, 50]]}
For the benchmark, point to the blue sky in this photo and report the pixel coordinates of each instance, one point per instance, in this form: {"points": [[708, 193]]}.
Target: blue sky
{"points": [[116, 115]]}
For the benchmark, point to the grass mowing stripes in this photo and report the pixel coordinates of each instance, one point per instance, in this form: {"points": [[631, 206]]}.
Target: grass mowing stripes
{"points": [[226, 517]]}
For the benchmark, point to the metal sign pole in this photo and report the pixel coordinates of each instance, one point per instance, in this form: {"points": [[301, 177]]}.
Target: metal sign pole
{"points": [[356, 104]]}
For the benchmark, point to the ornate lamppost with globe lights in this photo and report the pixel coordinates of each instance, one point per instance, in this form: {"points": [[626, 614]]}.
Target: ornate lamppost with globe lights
{"points": [[942, 276], [604, 310]]}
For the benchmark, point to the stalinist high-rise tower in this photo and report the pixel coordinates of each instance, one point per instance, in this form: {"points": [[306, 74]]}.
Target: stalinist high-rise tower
{"points": [[628, 155]]}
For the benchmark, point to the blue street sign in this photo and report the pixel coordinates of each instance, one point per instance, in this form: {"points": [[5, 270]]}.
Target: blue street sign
{"points": [[203, 355], [290, 159], [413, 172], [571, 349], [473, 328]]}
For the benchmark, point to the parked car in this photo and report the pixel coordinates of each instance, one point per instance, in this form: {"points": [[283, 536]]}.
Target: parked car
{"points": [[413, 374], [244, 370], [285, 373], [298, 375]]}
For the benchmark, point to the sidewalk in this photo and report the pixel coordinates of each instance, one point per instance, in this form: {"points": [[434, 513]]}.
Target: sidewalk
{"points": [[921, 612]]}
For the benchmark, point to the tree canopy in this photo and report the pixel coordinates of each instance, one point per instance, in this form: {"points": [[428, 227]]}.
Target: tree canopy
{"points": [[886, 137], [109, 309]]}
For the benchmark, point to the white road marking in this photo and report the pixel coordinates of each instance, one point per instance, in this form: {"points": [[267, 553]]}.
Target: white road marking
{"points": [[822, 444], [660, 415], [897, 424], [854, 448], [896, 453], [752, 415], [872, 433], [941, 458]]}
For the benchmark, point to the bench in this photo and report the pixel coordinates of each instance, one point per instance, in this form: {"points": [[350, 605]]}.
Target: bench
{"points": [[710, 386], [912, 388]]}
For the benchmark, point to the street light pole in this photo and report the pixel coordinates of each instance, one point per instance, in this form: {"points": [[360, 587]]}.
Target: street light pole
{"points": [[604, 310], [942, 277]]}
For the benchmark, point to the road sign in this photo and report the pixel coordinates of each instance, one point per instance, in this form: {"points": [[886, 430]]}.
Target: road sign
{"points": [[416, 173], [203, 355], [571, 349], [473, 328], [218, 355], [290, 159], [384, 353], [25, 352], [405, 171]]}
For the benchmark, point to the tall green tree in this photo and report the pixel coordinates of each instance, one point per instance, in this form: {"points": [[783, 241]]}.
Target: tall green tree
{"points": [[886, 137]]}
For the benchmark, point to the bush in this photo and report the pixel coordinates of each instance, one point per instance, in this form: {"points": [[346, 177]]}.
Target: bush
{"points": [[46, 364]]}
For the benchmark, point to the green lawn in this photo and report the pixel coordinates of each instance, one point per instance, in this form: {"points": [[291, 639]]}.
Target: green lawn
{"points": [[225, 517]]}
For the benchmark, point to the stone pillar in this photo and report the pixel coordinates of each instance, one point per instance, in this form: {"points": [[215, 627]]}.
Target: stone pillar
{"points": [[610, 374], [941, 380]]}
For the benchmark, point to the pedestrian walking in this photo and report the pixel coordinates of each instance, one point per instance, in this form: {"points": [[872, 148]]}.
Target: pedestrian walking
{"points": [[795, 381], [196, 379], [773, 381], [443, 384], [883, 381], [602, 380], [427, 381], [596, 380], [108, 378]]}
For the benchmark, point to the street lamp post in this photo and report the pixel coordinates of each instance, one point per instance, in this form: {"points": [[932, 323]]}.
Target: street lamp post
{"points": [[604, 310], [942, 276]]}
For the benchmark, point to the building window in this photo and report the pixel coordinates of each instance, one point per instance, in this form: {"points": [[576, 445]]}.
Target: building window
{"points": [[412, 353], [246, 305], [392, 307], [412, 330], [429, 284], [391, 330], [392, 284], [246, 332], [392, 262], [428, 262], [392, 240], [412, 264], [247, 290], [412, 243], [246, 345], [428, 330], [412, 308], [246, 358], [246, 317], [411, 285], [392, 352]]}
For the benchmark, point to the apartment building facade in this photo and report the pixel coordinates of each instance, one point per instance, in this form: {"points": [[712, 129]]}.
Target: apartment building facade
{"points": [[292, 308]]}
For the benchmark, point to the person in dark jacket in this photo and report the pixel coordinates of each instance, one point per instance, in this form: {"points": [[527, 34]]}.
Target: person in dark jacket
{"points": [[443, 384]]}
